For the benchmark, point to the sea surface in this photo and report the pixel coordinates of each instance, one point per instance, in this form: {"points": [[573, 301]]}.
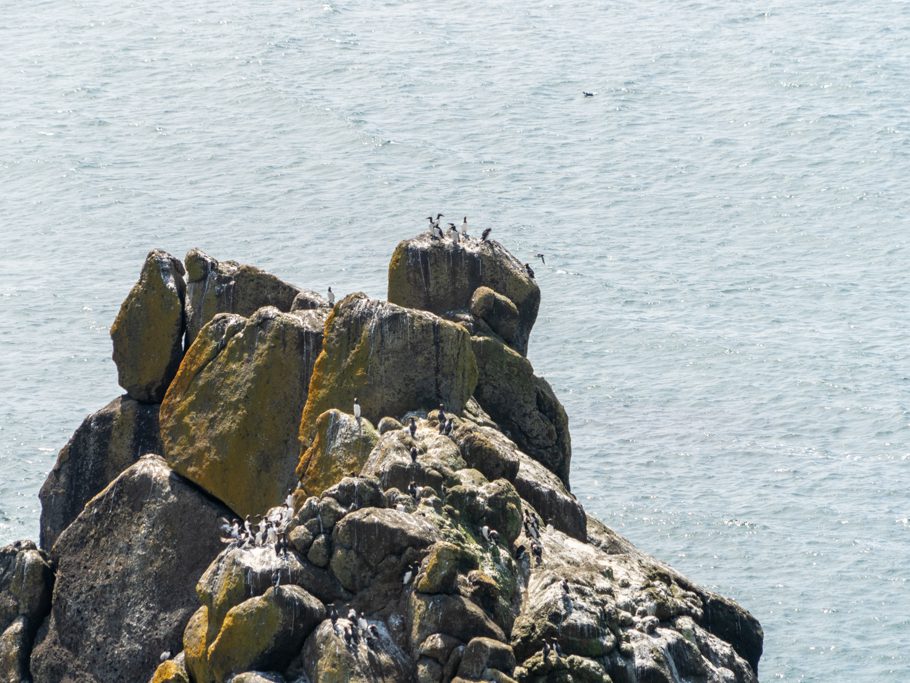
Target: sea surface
{"points": [[725, 224]]}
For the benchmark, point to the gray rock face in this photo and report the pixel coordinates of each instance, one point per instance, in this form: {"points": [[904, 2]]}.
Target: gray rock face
{"points": [[26, 581], [523, 404], [228, 287], [497, 312], [126, 571], [105, 444], [442, 276], [148, 331]]}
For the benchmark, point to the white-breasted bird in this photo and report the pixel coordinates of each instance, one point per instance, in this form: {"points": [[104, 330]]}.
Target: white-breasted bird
{"points": [[331, 297]]}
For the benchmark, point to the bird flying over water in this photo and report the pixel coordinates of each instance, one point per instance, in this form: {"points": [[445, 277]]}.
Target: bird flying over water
{"points": [[588, 94], [542, 260]]}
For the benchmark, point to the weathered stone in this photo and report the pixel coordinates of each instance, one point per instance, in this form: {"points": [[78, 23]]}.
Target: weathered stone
{"points": [[171, 671], [485, 653], [320, 551], [228, 287], [503, 509], [340, 445], [443, 564], [365, 538], [497, 311], [387, 424], [195, 646], [105, 444], [441, 276], [148, 331], [453, 615], [523, 404], [26, 582], [307, 300], [264, 632], [126, 567], [258, 677], [392, 359], [730, 622], [487, 456], [15, 647], [328, 658], [229, 421], [438, 646], [356, 492], [546, 494]]}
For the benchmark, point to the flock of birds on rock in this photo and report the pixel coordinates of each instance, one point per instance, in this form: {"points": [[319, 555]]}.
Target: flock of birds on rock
{"points": [[270, 531], [356, 628]]}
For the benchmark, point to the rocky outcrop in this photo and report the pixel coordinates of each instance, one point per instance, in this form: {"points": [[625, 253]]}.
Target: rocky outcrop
{"points": [[105, 444], [444, 545], [442, 276], [229, 421], [148, 331], [229, 287], [126, 568], [26, 581], [392, 359], [523, 405]]}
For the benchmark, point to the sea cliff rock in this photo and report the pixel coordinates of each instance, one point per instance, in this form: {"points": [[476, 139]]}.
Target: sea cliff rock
{"points": [[105, 444], [443, 546], [26, 581], [392, 359], [148, 331], [126, 568], [229, 421], [442, 276], [229, 287]]}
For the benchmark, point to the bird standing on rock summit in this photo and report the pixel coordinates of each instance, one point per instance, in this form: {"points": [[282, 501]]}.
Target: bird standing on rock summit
{"points": [[412, 427], [331, 297], [413, 454], [530, 271], [464, 227], [485, 234]]}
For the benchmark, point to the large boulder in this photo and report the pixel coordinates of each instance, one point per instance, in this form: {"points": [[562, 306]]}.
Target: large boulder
{"points": [[392, 359], [148, 331], [441, 276], [229, 287], [523, 404], [105, 444], [340, 446], [229, 421], [497, 312], [26, 581], [330, 657], [126, 571]]}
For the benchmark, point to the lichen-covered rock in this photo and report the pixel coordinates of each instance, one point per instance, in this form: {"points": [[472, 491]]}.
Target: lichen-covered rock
{"points": [[229, 421], [453, 615], [171, 671], [329, 657], [341, 445], [148, 331], [523, 405], [307, 300], [442, 276], [258, 677], [26, 581], [228, 287], [264, 632], [497, 312], [392, 359], [444, 563], [126, 568], [105, 444]]}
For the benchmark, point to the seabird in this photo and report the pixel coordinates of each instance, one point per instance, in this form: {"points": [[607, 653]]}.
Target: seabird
{"points": [[449, 426], [272, 535], [464, 227], [408, 575], [546, 650], [166, 655], [333, 613], [588, 94], [441, 415], [413, 454], [412, 427], [485, 234], [352, 615], [520, 552], [412, 489], [565, 586], [362, 623], [331, 297], [442, 426], [438, 216], [276, 577], [485, 532], [494, 535], [374, 631], [542, 259], [530, 270], [430, 218], [556, 648], [537, 550], [357, 411], [453, 232]]}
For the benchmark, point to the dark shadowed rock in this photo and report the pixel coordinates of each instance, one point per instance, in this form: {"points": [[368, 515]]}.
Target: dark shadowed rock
{"points": [[126, 571], [105, 444], [441, 276], [229, 421], [523, 404], [392, 359], [26, 581], [307, 300], [148, 331], [229, 287]]}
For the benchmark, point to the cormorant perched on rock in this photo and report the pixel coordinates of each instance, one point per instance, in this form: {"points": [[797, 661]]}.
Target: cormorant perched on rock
{"points": [[441, 414], [464, 227], [412, 427], [413, 454], [331, 297], [485, 234], [437, 232], [438, 216], [450, 424], [453, 232], [542, 259], [520, 552], [485, 532], [530, 270]]}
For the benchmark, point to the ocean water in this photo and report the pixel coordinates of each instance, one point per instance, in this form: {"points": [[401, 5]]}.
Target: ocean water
{"points": [[725, 224]]}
